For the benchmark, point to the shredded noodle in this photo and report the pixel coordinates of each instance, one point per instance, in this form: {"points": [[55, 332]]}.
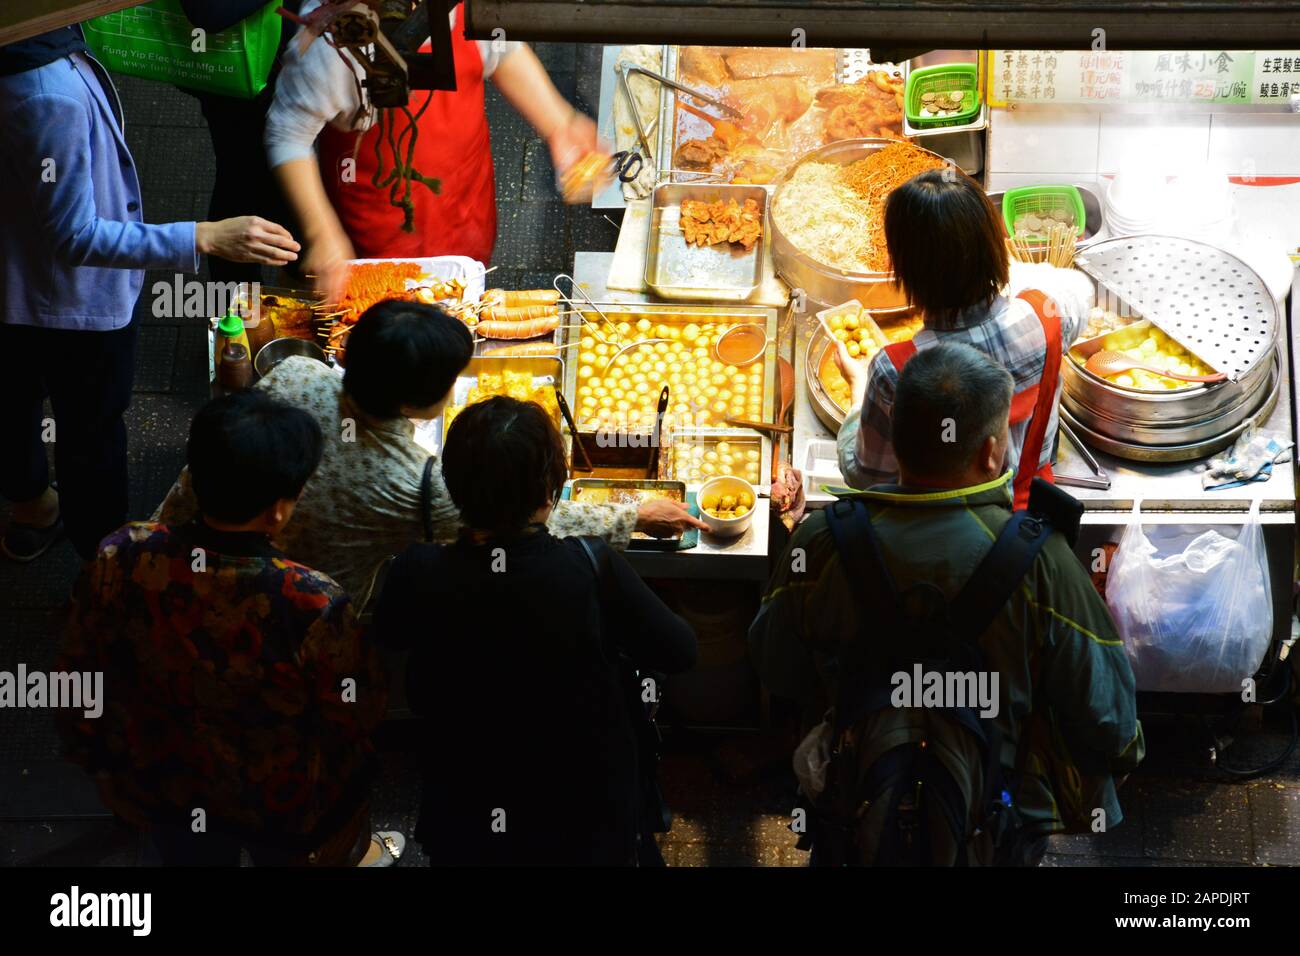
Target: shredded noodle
{"points": [[836, 214]]}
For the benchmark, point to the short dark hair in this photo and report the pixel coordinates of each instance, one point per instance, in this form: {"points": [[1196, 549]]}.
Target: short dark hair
{"points": [[247, 451], [503, 460], [950, 398], [404, 353], [946, 242]]}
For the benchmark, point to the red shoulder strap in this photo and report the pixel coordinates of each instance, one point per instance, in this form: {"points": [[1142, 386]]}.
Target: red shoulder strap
{"points": [[1049, 316], [900, 353]]}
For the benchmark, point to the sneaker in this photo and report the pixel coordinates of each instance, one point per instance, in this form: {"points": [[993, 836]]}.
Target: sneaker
{"points": [[25, 542], [391, 846]]}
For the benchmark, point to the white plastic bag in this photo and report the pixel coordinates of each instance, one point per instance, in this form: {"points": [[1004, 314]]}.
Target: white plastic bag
{"points": [[1193, 605]]}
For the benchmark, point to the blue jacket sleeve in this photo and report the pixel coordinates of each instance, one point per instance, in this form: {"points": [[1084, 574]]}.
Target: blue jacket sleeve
{"points": [[53, 128]]}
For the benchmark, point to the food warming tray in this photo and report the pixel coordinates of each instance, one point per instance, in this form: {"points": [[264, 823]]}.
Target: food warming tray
{"points": [[672, 490], [677, 270]]}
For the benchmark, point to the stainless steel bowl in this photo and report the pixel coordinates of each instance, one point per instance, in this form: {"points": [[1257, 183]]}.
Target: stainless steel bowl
{"points": [[822, 283], [277, 350]]}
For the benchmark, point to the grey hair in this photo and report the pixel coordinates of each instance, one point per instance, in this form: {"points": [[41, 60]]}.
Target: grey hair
{"points": [[950, 398]]}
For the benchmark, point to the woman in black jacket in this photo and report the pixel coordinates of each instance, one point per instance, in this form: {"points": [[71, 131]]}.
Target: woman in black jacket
{"points": [[530, 753]]}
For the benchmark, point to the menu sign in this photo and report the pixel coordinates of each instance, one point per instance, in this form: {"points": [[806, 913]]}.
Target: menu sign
{"points": [[1129, 76]]}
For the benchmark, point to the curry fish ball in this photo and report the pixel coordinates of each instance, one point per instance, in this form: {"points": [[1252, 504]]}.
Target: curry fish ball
{"points": [[587, 342], [744, 500], [740, 511], [708, 468], [752, 455], [588, 401], [842, 335], [719, 407], [644, 325], [588, 358], [837, 322], [723, 447], [690, 331], [709, 502], [624, 328]]}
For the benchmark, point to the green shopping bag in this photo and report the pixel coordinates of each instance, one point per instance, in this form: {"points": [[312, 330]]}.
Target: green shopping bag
{"points": [[157, 42]]}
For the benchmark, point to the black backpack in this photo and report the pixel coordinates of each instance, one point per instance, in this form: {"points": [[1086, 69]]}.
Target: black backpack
{"points": [[914, 780]]}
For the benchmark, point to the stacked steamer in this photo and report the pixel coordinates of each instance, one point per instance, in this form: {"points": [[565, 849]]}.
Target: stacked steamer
{"points": [[1180, 305]]}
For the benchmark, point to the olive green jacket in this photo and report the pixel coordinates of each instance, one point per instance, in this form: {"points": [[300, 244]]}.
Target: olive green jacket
{"points": [[1064, 677]]}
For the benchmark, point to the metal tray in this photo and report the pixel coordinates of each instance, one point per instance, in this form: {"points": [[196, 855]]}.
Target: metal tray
{"points": [[741, 438], [676, 270], [672, 315], [537, 366], [676, 491]]}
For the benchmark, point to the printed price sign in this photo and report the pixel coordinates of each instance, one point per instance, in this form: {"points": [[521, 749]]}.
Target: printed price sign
{"points": [[1127, 76]]}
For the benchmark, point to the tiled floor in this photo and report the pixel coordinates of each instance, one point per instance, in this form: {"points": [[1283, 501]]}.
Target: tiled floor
{"points": [[1178, 812]]}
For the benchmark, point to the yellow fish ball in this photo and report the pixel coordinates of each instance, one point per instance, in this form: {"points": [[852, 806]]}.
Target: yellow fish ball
{"points": [[606, 402], [752, 455], [586, 342], [644, 326], [745, 500]]}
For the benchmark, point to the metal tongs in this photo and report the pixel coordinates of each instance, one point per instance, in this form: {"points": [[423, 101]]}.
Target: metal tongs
{"points": [[624, 161], [568, 300], [1099, 479]]}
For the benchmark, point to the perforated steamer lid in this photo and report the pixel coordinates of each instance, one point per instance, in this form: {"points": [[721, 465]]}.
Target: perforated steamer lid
{"points": [[1207, 300]]}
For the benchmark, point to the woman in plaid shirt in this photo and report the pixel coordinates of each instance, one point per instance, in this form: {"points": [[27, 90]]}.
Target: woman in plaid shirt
{"points": [[947, 245]]}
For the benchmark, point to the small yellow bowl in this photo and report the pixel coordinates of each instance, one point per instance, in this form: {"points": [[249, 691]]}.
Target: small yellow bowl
{"points": [[727, 485]]}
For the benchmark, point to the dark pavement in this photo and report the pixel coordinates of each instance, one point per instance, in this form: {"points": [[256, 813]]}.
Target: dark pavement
{"points": [[1179, 810]]}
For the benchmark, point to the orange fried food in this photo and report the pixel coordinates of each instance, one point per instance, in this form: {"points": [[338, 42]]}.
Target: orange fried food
{"points": [[870, 107], [816, 64], [371, 282], [784, 98], [708, 223], [704, 65]]}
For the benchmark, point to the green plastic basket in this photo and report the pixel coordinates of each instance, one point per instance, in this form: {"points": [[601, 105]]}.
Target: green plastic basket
{"points": [[945, 78], [1040, 199]]}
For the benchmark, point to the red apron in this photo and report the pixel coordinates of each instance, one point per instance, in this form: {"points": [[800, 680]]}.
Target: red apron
{"points": [[453, 146], [1033, 404]]}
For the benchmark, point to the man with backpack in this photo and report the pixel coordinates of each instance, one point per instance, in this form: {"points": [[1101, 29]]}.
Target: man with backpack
{"points": [[980, 698]]}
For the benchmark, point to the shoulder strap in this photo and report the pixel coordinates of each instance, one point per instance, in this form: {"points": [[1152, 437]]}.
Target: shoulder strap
{"points": [[858, 549], [426, 499], [999, 574], [900, 353]]}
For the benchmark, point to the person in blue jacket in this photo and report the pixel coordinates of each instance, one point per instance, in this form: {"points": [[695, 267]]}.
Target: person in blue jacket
{"points": [[73, 247]]}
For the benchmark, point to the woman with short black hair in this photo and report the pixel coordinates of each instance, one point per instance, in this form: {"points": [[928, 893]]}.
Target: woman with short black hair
{"points": [[948, 248], [529, 736], [405, 358]]}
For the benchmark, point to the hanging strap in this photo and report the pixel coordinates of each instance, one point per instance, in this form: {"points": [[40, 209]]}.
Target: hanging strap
{"points": [[1031, 452]]}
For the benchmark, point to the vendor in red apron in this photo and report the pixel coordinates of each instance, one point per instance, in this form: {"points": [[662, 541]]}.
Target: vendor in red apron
{"points": [[322, 136], [949, 255]]}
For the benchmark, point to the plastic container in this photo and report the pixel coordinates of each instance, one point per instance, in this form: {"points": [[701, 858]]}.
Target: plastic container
{"points": [[1043, 199], [946, 78], [229, 329]]}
